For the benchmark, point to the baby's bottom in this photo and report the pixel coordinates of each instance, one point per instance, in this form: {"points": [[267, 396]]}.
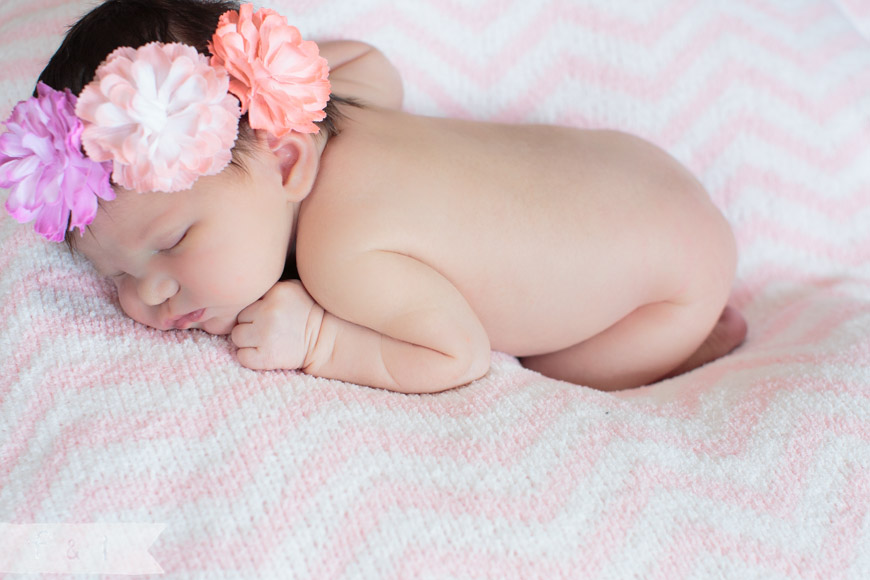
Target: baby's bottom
{"points": [[655, 341], [660, 339]]}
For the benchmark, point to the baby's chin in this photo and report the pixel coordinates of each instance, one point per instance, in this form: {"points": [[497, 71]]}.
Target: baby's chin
{"points": [[218, 325]]}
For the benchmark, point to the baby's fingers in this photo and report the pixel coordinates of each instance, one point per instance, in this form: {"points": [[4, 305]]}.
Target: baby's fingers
{"points": [[252, 358], [250, 312], [244, 335], [251, 353]]}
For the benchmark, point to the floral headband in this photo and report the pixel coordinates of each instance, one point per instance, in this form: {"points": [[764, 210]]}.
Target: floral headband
{"points": [[158, 117]]}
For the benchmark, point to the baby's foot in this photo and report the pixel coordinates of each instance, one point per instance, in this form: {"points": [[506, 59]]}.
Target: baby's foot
{"points": [[729, 332]]}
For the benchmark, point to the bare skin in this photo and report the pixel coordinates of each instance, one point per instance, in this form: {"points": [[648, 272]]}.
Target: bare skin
{"points": [[591, 255], [424, 243], [729, 332]]}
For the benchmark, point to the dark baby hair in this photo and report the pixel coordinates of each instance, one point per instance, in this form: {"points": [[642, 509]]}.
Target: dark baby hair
{"points": [[134, 23]]}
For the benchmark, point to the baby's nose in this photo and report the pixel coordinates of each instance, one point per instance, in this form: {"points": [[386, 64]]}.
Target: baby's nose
{"points": [[156, 289]]}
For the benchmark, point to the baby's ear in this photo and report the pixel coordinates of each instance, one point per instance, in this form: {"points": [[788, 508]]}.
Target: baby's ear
{"points": [[298, 157]]}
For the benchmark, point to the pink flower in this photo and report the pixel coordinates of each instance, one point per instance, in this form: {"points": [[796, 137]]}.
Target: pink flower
{"points": [[280, 79], [41, 161], [162, 114]]}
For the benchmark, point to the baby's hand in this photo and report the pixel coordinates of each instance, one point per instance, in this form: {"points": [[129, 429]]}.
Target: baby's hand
{"points": [[276, 331]]}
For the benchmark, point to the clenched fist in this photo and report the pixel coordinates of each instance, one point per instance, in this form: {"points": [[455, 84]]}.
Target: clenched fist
{"points": [[279, 330]]}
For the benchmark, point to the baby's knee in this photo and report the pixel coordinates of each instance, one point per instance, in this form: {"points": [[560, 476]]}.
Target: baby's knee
{"points": [[711, 267], [713, 250], [722, 254]]}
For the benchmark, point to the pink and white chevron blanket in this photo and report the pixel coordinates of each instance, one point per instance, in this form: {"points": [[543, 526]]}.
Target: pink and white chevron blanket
{"points": [[754, 466]]}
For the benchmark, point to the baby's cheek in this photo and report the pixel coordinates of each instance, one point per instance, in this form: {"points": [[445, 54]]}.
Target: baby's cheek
{"points": [[130, 304], [232, 277]]}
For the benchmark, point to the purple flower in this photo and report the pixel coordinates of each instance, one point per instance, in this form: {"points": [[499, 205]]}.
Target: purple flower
{"points": [[42, 163]]}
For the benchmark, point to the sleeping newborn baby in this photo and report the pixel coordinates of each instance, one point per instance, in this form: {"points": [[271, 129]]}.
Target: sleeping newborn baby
{"points": [[421, 243]]}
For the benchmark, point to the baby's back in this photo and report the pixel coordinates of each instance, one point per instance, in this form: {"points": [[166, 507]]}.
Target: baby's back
{"points": [[551, 234]]}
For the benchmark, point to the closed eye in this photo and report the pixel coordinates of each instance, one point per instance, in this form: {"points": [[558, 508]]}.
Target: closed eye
{"points": [[169, 247], [175, 244]]}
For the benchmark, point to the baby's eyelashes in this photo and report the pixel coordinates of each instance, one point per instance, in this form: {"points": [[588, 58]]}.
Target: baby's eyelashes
{"points": [[172, 245]]}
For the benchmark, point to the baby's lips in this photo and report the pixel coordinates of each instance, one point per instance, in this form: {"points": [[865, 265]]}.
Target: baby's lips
{"points": [[184, 322]]}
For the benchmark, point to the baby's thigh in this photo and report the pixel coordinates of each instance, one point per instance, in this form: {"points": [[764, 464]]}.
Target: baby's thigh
{"points": [[653, 338], [639, 349]]}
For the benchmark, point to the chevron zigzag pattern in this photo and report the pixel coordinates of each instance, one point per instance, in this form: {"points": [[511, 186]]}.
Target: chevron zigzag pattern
{"points": [[754, 466]]}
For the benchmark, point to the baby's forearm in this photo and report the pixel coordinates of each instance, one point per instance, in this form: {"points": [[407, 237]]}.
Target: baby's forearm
{"points": [[349, 352]]}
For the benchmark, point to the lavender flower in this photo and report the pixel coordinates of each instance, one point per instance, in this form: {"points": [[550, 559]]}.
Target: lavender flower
{"points": [[41, 161]]}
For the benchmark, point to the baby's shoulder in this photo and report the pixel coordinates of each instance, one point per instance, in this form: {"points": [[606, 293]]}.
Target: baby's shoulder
{"points": [[331, 230], [329, 241]]}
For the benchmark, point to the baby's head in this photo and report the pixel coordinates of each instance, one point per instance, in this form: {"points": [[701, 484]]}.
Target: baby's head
{"points": [[135, 23], [197, 220]]}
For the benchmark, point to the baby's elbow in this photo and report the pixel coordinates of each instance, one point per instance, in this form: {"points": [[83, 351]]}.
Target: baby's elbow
{"points": [[467, 362], [473, 356], [458, 373], [473, 366], [480, 361], [362, 72], [389, 91]]}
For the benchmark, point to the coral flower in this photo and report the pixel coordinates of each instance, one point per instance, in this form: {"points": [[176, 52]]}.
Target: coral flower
{"points": [[280, 79], [42, 163], [162, 114]]}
